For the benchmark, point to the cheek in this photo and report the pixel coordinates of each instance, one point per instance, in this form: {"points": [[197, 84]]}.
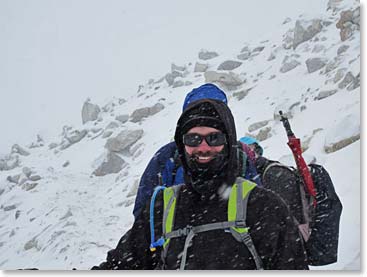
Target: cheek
{"points": [[189, 150]]}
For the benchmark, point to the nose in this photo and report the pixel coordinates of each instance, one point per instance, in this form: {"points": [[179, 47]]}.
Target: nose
{"points": [[203, 146]]}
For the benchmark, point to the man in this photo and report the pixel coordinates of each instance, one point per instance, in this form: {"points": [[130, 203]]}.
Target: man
{"points": [[165, 162], [206, 140]]}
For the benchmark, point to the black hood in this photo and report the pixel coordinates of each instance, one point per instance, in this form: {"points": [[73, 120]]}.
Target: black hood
{"points": [[214, 114]]}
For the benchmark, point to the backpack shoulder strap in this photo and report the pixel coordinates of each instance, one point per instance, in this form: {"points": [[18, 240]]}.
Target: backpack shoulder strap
{"points": [[237, 212]]}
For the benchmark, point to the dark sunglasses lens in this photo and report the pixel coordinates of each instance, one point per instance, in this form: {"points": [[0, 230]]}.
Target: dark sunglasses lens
{"points": [[192, 140], [216, 139]]}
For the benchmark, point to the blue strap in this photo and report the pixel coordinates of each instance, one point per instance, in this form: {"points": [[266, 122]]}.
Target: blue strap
{"points": [[160, 241]]}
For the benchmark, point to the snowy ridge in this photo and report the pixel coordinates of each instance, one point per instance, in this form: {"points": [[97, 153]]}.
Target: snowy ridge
{"points": [[68, 217]]}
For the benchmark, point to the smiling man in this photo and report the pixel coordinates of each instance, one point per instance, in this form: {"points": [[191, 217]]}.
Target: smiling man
{"points": [[214, 220]]}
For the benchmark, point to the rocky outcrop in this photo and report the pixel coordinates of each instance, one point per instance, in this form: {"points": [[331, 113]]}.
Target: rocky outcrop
{"points": [[141, 113], [200, 67], [9, 162], [70, 138], [288, 64], [123, 140], [257, 125], [90, 112], [325, 93], [228, 80], [207, 55], [304, 30], [314, 64], [16, 149], [112, 164], [350, 82], [122, 118], [348, 23], [229, 65]]}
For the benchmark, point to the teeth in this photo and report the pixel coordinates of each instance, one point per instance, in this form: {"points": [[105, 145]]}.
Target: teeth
{"points": [[204, 158]]}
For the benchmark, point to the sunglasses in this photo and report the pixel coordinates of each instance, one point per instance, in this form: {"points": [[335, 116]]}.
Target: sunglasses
{"points": [[212, 139]]}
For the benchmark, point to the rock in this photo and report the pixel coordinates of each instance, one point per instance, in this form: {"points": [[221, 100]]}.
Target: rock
{"points": [[318, 48], [38, 143], [72, 138], [200, 67], [65, 164], [14, 178], [113, 164], [177, 68], [90, 112], [257, 125], [122, 118], [141, 113], [112, 125], [9, 162], [27, 171], [333, 64], [22, 181], [349, 22], [286, 20], [288, 39], [134, 189], [258, 49], [271, 57], [229, 80], [107, 133], [288, 64], [35, 178], [244, 56], [207, 55], [52, 145], [314, 64], [305, 30], [123, 140], [229, 65], [16, 149], [241, 94], [342, 49], [29, 186], [67, 215], [333, 4], [339, 75], [348, 79], [17, 214], [33, 243], [2, 191], [325, 93], [10, 207], [263, 134], [178, 83], [170, 77], [342, 133]]}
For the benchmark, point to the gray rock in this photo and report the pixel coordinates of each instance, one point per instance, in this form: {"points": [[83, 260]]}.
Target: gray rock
{"points": [[170, 77], [271, 57], [348, 23], [286, 20], [72, 138], [112, 125], [2, 191], [339, 74], [65, 164], [325, 93], [241, 94], [122, 118], [244, 56], [113, 164], [9, 162], [263, 134], [16, 149], [355, 84], [14, 178], [29, 186], [348, 79], [67, 215], [257, 125], [107, 133], [314, 64], [10, 208], [318, 48], [27, 171], [245, 49], [177, 68], [288, 64], [342, 49], [200, 67], [35, 178], [90, 112], [229, 65], [17, 214], [305, 30], [207, 55], [52, 145], [229, 80], [288, 39], [134, 189], [340, 144], [178, 83], [33, 243], [141, 113], [331, 65], [123, 140]]}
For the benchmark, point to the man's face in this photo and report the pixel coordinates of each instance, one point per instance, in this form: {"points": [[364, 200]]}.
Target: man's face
{"points": [[204, 153]]}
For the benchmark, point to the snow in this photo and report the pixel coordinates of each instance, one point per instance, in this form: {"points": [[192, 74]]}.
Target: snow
{"points": [[72, 218]]}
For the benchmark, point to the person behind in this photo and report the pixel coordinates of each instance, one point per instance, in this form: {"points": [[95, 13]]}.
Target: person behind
{"points": [[206, 141], [165, 168]]}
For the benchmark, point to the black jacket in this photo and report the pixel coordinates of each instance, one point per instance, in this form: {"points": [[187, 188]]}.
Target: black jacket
{"points": [[274, 234]]}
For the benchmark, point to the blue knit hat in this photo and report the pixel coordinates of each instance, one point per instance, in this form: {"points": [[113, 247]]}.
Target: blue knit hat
{"points": [[207, 91], [250, 140]]}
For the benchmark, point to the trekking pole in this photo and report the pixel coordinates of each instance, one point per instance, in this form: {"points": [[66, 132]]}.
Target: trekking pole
{"points": [[295, 145]]}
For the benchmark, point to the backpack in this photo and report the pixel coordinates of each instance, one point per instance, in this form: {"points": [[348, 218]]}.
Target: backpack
{"points": [[318, 225], [236, 224]]}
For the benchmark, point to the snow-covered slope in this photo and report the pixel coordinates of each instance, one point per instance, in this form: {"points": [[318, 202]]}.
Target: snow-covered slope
{"points": [[56, 213]]}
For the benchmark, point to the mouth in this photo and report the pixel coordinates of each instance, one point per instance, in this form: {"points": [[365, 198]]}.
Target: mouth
{"points": [[204, 159]]}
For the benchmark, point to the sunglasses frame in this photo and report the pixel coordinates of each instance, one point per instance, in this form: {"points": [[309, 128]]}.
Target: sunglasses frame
{"points": [[202, 137]]}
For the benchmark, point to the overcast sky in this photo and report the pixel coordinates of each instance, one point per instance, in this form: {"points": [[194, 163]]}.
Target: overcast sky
{"points": [[56, 53]]}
